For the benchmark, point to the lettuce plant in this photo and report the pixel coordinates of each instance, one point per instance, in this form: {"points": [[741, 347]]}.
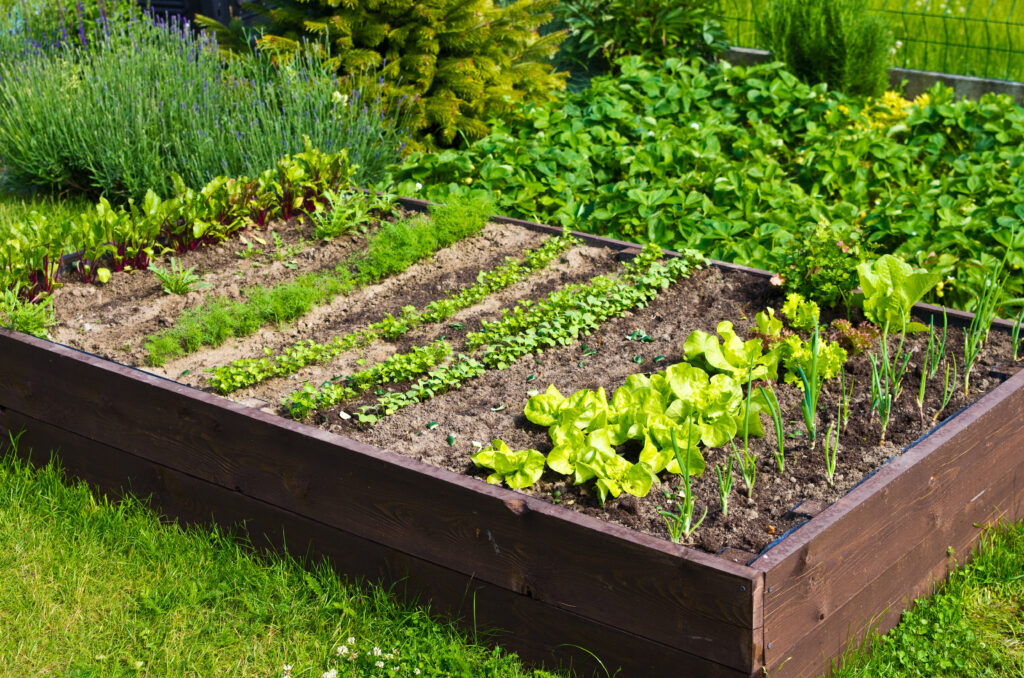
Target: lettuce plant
{"points": [[733, 355], [891, 288], [517, 469]]}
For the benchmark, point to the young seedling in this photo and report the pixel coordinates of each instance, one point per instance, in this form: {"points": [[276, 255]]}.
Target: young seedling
{"points": [[1015, 332], [984, 313], [768, 393], [681, 524], [812, 389], [724, 484], [887, 378], [925, 367], [175, 280], [831, 453], [940, 349], [947, 390], [844, 400]]}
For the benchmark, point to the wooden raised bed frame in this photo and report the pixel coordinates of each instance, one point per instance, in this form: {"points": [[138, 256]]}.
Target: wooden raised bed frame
{"points": [[550, 580]]}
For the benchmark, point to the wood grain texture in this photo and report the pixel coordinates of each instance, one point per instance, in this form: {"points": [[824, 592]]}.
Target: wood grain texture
{"points": [[690, 600], [540, 633], [927, 498], [877, 606]]}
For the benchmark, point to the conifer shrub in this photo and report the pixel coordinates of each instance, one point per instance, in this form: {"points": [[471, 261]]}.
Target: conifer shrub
{"points": [[461, 62], [832, 41]]}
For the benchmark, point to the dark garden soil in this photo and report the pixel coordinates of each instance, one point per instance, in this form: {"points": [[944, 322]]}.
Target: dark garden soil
{"points": [[113, 320]]}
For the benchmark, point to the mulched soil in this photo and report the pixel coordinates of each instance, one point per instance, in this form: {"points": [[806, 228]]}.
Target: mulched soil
{"points": [[113, 321]]}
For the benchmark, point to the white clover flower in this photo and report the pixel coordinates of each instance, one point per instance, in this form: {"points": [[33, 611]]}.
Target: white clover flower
{"points": [[286, 668], [415, 672], [418, 187], [342, 650], [695, 125], [351, 639], [333, 673], [376, 651], [379, 664]]}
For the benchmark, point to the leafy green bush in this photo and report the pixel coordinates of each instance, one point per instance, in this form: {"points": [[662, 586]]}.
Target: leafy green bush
{"points": [[655, 29], [460, 62], [833, 41], [153, 100], [740, 163]]}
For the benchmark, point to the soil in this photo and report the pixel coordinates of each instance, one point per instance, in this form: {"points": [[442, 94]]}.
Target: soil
{"points": [[113, 321]]}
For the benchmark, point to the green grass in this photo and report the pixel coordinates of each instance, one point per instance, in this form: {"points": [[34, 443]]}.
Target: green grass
{"points": [[14, 207], [971, 37], [94, 588], [972, 627]]}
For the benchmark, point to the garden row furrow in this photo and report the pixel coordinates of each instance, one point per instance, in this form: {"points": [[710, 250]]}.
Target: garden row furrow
{"points": [[529, 327], [393, 248], [248, 371]]}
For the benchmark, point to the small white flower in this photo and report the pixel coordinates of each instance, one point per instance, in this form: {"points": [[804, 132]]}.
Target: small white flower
{"points": [[379, 664], [351, 639], [342, 650], [376, 651], [695, 125], [415, 672], [418, 187], [389, 656], [333, 673], [286, 668]]}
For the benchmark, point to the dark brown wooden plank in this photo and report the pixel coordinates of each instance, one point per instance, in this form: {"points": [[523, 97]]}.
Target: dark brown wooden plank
{"points": [[826, 563], [542, 634], [691, 600], [878, 605]]}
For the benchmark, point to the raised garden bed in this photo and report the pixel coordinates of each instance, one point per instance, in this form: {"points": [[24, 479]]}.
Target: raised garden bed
{"points": [[556, 579]]}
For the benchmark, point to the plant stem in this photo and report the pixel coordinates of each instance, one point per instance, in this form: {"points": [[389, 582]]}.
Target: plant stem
{"points": [[773, 408]]}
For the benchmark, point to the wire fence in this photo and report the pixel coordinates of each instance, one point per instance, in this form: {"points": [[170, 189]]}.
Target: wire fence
{"points": [[982, 38]]}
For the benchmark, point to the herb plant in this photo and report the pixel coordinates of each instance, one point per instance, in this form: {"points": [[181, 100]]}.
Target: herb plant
{"points": [[831, 452], [948, 389]]}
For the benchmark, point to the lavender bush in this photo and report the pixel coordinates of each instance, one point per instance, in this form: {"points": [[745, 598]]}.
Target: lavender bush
{"points": [[120, 108]]}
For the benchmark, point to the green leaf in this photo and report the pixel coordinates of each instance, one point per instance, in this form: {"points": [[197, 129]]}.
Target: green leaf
{"points": [[543, 409], [891, 288]]}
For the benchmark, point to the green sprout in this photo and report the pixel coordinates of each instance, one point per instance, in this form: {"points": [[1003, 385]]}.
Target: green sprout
{"points": [[680, 524], [773, 408], [175, 280]]}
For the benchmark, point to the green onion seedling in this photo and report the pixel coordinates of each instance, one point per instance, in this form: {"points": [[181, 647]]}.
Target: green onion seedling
{"points": [[940, 349], [812, 389], [887, 378], [724, 484], [1015, 332], [831, 453], [924, 377], [748, 469], [844, 399], [947, 390], [681, 524], [984, 313], [773, 408]]}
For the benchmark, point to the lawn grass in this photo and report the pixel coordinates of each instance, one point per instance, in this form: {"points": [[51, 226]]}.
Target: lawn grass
{"points": [[972, 627], [982, 38], [95, 588]]}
